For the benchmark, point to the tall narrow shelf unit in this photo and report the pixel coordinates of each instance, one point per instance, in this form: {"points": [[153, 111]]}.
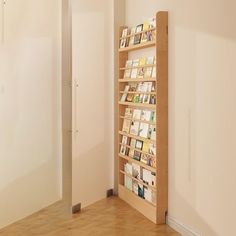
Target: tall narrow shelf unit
{"points": [[156, 212]]}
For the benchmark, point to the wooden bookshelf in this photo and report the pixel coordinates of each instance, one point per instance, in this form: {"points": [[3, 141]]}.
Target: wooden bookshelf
{"points": [[156, 211]]}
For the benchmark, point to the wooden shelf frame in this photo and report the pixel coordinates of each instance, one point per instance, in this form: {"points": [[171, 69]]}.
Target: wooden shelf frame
{"points": [[156, 213]]}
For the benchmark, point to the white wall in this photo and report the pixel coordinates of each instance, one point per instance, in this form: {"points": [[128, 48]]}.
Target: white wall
{"points": [[202, 114], [30, 148], [92, 162]]}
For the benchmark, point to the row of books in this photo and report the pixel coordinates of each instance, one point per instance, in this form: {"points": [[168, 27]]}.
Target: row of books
{"points": [[131, 147], [138, 114], [142, 92], [134, 35], [141, 129], [147, 68], [145, 176]]}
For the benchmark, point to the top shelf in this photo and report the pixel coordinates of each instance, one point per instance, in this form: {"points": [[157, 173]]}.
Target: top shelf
{"points": [[141, 32], [138, 46]]}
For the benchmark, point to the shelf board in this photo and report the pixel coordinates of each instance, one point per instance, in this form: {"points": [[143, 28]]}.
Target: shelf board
{"points": [[137, 67], [152, 169], [141, 32], [137, 80], [135, 92], [150, 106], [138, 137], [153, 188], [141, 121], [141, 205], [138, 46]]}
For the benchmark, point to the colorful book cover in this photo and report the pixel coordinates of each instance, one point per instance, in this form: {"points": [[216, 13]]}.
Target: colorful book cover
{"points": [[145, 147], [145, 158]]}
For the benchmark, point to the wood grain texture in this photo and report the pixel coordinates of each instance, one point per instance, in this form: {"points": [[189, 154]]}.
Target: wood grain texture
{"points": [[110, 216], [162, 115]]}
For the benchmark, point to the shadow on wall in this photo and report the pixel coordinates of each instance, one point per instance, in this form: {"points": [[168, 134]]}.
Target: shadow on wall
{"points": [[29, 194]]}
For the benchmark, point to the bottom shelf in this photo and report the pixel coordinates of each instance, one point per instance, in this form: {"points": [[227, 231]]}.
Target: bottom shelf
{"points": [[138, 203]]}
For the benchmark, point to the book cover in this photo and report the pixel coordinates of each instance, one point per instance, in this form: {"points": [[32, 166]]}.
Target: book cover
{"points": [[123, 149], [137, 37], [153, 117], [134, 128], [148, 72], [153, 179], [131, 41], [152, 149], [153, 99], [134, 71], [140, 190], [154, 72], [125, 94], [144, 38], [147, 179], [146, 115], [128, 113], [127, 74], [132, 147], [126, 125], [147, 194], [145, 159], [135, 187], [128, 183], [142, 61], [143, 130], [129, 64], [136, 98], [125, 140], [152, 161], [145, 147], [137, 155], [152, 132], [128, 168], [123, 42], [140, 73], [139, 145], [150, 60], [137, 114], [136, 173]]}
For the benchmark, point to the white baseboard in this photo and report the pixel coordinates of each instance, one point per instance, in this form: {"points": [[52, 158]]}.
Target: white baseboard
{"points": [[180, 228]]}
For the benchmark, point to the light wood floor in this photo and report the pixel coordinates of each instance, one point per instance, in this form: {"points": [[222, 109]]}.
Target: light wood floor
{"points": [[110, 216]]}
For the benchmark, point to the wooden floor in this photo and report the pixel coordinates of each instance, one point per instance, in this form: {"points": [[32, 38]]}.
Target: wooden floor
{"points": [[110, 216]]}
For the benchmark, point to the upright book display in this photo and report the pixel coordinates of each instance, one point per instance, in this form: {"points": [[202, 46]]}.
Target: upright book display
{"points": [[143, 118]]}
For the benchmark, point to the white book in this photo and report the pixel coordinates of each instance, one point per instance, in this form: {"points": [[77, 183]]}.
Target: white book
{"points": [[146, 115], [137, 114], [129, 63], [152, 132], [135, 187], [128, 168], [143, 130], [150, 60], [124, 96], [136, 172], [148, 194], [134, 128]]}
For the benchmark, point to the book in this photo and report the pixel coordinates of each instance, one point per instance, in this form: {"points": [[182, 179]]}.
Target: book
{"points": [[137, 37], [146, 115], [134, 71], [127, 74], [135, 187], [142, 61], [147, 179], [123, 42], [153, 99], [137, 114], [139, 145], [148, 72], [145, 147], [128, 180], [140, 190], [144, 130], [136, 171], [153, 179], [152, 161], [128, 64], [152, 149], [130, 96], [153, 117], [128, 113], [136, 98], [152, 132], [123, 148], [154, 72], [134, 128], [140, 73], [137, 155], [125, 94], [145, 158], [150, 60], [132, 147], [131, 40], [147, 194], [126, 126], [145, 34]]}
